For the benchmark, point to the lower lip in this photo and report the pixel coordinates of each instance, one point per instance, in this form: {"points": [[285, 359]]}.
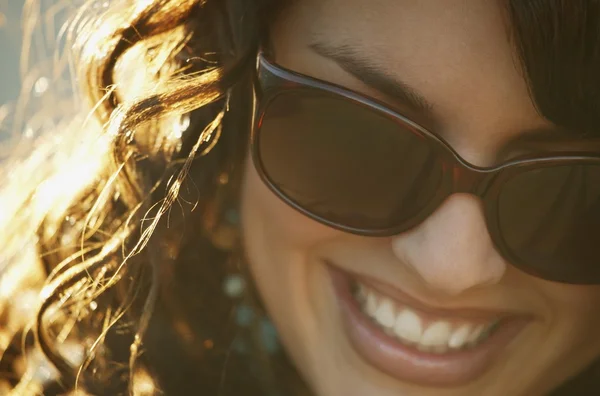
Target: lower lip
{"points": [[409, 364]]}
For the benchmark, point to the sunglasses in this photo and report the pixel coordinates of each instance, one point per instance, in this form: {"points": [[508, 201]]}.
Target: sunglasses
{"points": [[351, 163]]}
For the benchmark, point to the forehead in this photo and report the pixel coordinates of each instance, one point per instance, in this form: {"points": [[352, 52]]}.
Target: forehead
{"points": [[456, 53]]}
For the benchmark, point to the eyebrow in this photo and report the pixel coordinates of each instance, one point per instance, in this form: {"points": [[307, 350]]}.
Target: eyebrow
{"points": [[352, 60]]}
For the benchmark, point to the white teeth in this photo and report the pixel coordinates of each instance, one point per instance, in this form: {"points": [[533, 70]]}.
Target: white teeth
{"points": [[407, 326], [436, 334], [385, 314], [459, 337], [371, 306]]}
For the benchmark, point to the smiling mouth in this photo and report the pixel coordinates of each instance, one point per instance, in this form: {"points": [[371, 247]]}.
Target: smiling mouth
{"points": [[418, 344], [413, 328]]}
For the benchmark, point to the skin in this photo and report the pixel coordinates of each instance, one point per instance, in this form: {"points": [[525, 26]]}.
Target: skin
{"points": [[459, 59]]}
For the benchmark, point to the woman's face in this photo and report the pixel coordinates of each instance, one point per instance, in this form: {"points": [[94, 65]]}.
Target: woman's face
{"points": [[443, 283]]}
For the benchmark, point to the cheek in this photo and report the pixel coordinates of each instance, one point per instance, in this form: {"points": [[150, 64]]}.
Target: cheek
{"points": [[575, 322], [276, 224], [579, 307], [282, 249]]}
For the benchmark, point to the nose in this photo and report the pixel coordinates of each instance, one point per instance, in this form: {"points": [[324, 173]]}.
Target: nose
{"points": [[452, 250]]}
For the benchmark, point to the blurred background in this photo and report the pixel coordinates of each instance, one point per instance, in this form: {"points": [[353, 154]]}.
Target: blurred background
{"points": [[25, 82], [10, 44]]}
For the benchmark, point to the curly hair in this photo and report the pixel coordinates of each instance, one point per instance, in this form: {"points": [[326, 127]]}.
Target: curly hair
{"points": [[113, 253], [94, 204]]}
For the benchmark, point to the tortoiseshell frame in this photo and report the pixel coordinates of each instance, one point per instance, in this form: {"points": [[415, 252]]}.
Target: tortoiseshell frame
{"points": [[458, 176]]}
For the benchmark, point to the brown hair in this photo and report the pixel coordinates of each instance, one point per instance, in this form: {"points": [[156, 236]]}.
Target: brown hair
{"points": [[89, 218]]}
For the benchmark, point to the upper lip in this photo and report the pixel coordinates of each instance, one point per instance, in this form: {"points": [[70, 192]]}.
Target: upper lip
{"points": [[466, 313]]}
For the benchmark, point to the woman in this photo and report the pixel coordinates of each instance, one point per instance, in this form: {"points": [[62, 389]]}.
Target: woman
{"points": [[332, 197]]}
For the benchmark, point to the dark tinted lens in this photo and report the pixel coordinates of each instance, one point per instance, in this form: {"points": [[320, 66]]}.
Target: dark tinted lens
{"points": [[345, 162], [550, 219]]}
